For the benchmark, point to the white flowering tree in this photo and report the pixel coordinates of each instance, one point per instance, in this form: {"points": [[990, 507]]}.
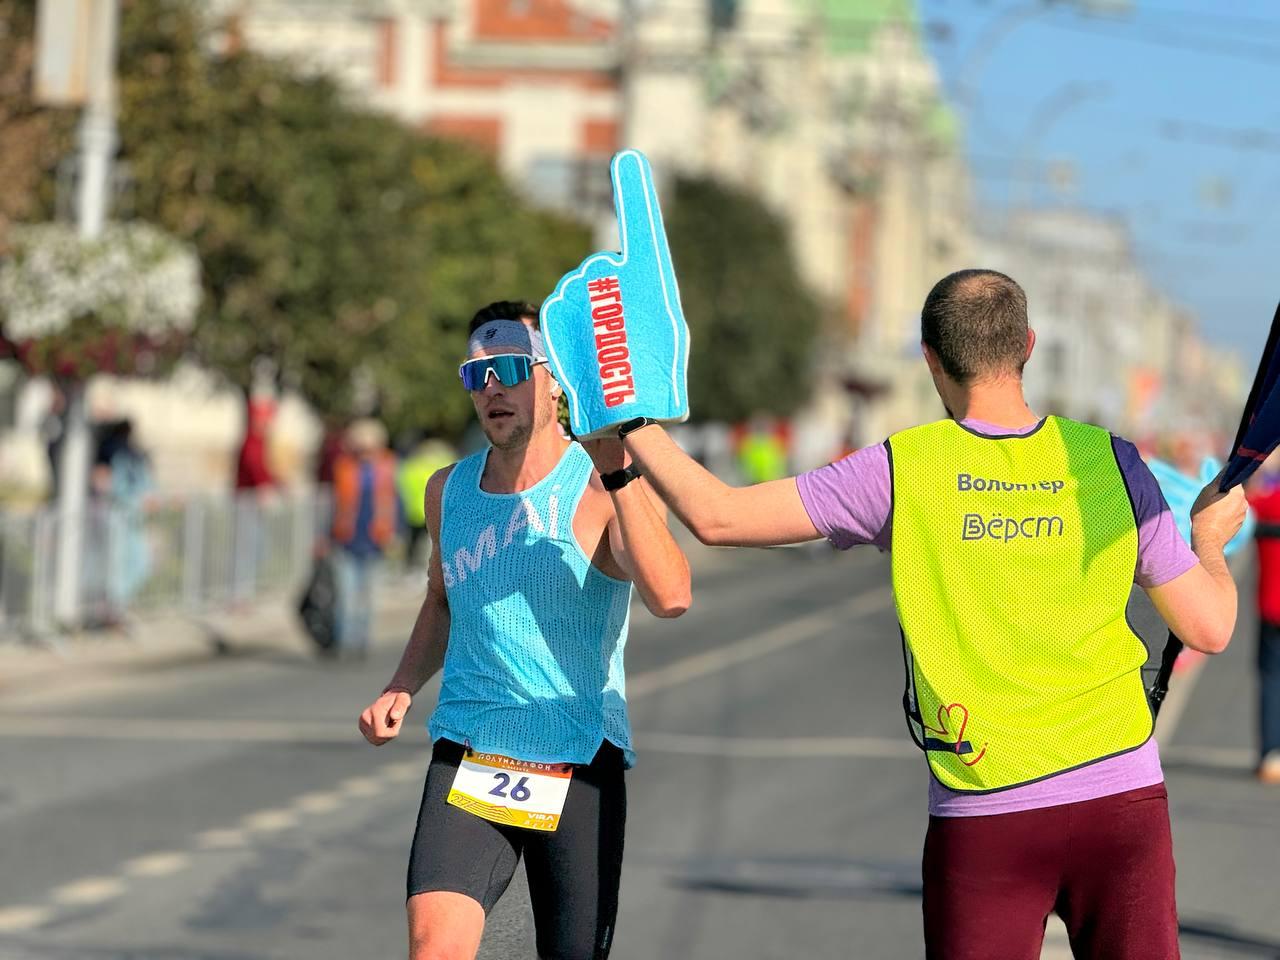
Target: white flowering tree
{"points": [[120, 300], [120, 303]]}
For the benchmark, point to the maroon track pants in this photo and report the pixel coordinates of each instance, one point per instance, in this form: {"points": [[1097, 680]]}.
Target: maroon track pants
{"points": [[1105, 866]]}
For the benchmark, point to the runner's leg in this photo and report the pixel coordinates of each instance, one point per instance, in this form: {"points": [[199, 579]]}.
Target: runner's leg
{"points": [[574, 873], [1118, 892], [444, 926], [459, 867], [989, 884]]}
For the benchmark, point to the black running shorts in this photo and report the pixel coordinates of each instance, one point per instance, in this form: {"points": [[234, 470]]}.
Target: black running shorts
{"points": [[573, 873]]}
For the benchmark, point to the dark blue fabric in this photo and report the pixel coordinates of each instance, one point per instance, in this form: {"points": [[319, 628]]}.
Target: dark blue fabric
{"points": [[1269, 687], [362, 544], [1260, 426]]}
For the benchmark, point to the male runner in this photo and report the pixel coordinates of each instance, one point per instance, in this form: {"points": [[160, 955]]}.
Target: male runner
{"points": [[537, 542], [1015, 539]]}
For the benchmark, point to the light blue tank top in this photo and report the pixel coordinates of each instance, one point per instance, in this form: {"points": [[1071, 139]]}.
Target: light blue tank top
{"points": [[534, 665]]}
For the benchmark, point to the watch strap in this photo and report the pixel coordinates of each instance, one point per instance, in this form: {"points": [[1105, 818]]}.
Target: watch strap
{"points": [[617, 479], [630, 426]]}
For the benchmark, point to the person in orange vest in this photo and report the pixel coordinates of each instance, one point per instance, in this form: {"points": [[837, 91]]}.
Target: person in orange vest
{"points": [[365, 518]]}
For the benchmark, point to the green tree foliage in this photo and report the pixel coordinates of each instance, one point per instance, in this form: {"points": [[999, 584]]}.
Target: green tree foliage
{"points": [[751, 319], [30, 137], [480, 243], [334, 241]]}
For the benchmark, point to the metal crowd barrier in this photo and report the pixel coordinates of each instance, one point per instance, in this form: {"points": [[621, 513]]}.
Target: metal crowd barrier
{"points": [[189, 556]]}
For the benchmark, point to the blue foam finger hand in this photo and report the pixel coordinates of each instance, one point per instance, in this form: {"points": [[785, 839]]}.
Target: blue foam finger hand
{"points": [[615, 333], [1180, 492]]}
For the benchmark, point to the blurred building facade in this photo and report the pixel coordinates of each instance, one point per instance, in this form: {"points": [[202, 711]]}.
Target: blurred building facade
{"points": [[833, 114], [535, 82], [1111, 349]]}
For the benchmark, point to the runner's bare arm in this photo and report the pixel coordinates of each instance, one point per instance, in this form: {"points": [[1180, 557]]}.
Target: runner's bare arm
{"points": [[640, 542], [424, 653], [1200, 606], [643, 547], [766, 514]]}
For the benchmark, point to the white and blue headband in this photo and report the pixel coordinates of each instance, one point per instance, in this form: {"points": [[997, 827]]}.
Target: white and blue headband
{"points": [[507, 333]]}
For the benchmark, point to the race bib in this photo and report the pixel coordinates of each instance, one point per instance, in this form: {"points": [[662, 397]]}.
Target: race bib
{"points": [[516, 793], [614, 329]]}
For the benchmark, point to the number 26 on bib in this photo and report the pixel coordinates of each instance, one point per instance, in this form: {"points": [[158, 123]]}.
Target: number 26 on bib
{"points": [[516, 793]]}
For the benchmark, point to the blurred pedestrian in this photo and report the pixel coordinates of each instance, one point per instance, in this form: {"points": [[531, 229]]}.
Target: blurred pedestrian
{"points": [[762, 453], [252, 469], [1015, 541], [426, 458], [332, 446], [117, 551], [131, 485], [255, 492], [365, 516], [1264, 497], [538, 540]]}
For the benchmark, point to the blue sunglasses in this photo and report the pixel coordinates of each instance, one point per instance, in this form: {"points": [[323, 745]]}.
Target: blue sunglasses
{"points": [[510, 369]]}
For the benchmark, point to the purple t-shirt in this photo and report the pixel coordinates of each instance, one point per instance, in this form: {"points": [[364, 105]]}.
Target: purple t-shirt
{"points": [[851, 502]]}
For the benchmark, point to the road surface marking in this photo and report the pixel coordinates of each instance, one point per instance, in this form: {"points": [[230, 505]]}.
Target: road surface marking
{"points": [[16, 919], [96, 889], [317, 802], [270, 821], [157, 864], [220, 731], [779, 748], [808, 627], [221, 839], [87, 891], [405, 771], [360, 787]]}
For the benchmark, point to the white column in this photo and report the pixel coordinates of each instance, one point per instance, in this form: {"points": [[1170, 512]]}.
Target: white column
{"points": [[97, 144]]}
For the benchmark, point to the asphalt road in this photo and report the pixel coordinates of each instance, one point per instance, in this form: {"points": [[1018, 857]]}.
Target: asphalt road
{"points": [[228, 810]]}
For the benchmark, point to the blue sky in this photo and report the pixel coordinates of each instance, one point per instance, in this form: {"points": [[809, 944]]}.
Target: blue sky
{"points": [[1166, 114]]}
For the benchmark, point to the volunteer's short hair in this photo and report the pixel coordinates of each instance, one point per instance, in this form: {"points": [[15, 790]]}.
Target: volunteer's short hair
{"points": [[976, 323], [504, 310]]}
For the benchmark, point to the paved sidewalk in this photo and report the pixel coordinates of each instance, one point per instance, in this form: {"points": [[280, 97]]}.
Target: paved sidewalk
{"points": [[149, 641]]}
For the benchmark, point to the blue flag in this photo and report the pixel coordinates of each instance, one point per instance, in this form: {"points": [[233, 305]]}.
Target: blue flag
{"points": [[1259, 431]]}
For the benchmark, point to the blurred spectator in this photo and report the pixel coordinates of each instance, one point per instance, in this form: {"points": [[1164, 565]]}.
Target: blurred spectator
{"points": [[255, 489], [1264, 497], [117, 554], [762, 452], [52, 432], [426, 458], [131, 484], [365, 513], [331, 448], [252, 472]]}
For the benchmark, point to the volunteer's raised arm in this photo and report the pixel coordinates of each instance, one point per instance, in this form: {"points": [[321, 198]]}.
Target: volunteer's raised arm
{"points": [[766, 514]]}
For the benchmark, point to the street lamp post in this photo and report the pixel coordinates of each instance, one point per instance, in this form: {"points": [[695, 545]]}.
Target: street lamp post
{"points": [[97, 137]]}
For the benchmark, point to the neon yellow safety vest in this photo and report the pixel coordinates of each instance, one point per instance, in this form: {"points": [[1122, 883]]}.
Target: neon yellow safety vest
{"points": [[1013, 559]]}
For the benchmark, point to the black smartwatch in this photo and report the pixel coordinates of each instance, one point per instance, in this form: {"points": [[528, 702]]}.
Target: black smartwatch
{"points": [[617, 479], [631, 426]]}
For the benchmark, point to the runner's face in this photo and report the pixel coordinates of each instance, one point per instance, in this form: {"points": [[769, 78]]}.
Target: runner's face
{"points": [[510, 416]]}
